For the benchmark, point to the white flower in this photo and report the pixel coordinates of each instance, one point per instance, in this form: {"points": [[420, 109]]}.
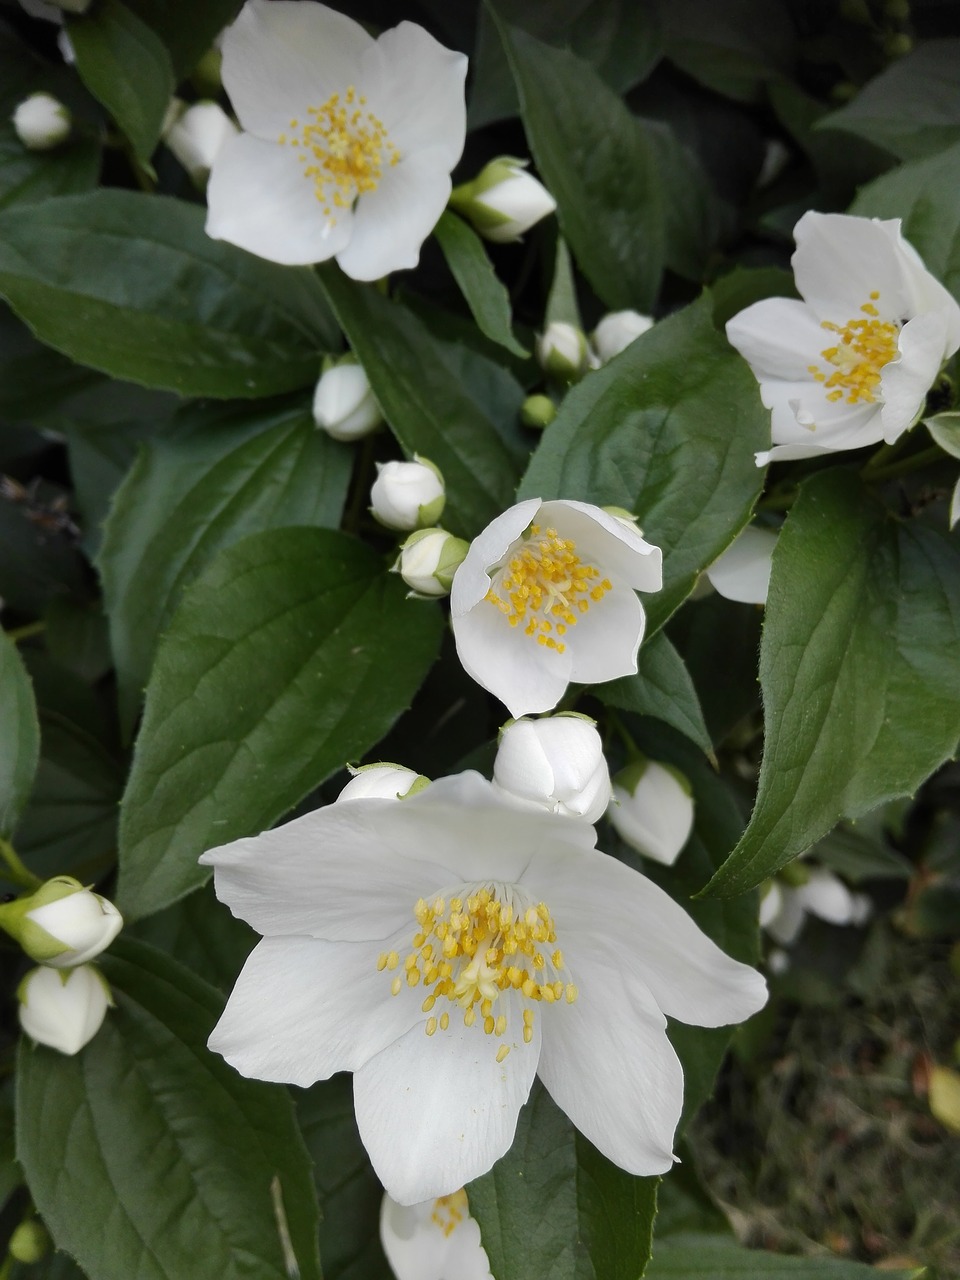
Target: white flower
{"points": [[503, 200], [616, 331], [63, 1009], [42, 122], [407, 495], [428, 561], [343, 404], [784, 906], [434, 1240], [380, 781], [448, 948], [742, 572], [653, 809], [62, 924], [546, 595], [852, 363], [196, 136], [348, 141], [557, 762], [562, 351]]}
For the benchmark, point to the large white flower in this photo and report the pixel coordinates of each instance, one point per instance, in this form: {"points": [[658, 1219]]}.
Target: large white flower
{"points": [[852, 363], [547, 594], [348, 141], [435, 1240], [447, 949]]}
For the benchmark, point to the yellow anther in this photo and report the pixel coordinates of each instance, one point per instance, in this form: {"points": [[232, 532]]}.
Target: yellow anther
{"points": [[527, 1034], [381, 961], [502, 1052], [431, 1026], [444, 1021], [428, 1004], [500, 1025], [542, 583], [488, 1025], [548, 993], [864, 348], [572, 993], [396, 985], [392, 960], [470, 1017], [557, 959], [528, 1017]]}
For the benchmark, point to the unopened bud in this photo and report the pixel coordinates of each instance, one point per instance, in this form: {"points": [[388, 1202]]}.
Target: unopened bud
{"points": [[382, 781], [653, 809], [196, 135], [42, 122], [556, 762], [407, 495], [503, 201], [616, 331], [64, 1008], [343, 404], [30, 1242], [537, 412], [62, 924], [428, 560], [562, 352]]}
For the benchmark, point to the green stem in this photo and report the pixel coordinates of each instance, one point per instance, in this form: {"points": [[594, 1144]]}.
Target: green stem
{"points": [[361, 492], [16, 871], [626, 736], [881, 460], [916, 462], [16, 634]]}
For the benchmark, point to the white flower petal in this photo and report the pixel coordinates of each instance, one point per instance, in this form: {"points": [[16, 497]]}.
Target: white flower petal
{"points": [[905, 382], [259, 200], [955, 505], [742, 572], [840, 260], [435, 1112], [787, 923], [619, 549], [487, 549], [826, 896], [607, 1063], [602, 906], [282, 56], [425, 1242], [824, 425], [606, 639], [416, 86], [778, 337], [390, 224], [302, 1009]]}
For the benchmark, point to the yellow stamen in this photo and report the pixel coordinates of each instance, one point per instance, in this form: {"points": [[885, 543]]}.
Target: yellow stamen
{"points": [[450, 1211], [864, 347]]}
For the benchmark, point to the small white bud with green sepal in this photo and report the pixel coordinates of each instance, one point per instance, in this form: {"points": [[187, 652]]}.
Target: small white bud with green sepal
{"points": [[344, 404], [408, 495], [428, 560], [42, 122], [62, 924], [64, 1008], [382, 781], [503, 200], [653, 809], [562, 352]]}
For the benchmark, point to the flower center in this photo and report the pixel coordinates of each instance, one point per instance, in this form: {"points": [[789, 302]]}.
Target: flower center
{"points": [[343, 149], [866, 344], [547, 586], [450, 1211], [469, 950]]}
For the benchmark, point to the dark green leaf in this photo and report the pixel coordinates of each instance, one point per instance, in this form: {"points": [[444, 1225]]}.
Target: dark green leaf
{"points": [[547, 1209], [126, 68], [39, 558], [720, 643], [486, 297], [562, 304], [186, 39], [860, 670], [76, 636], [130, 284], [10, 1175], [696, 1257], [922, 194], [223, 472], [912, 108], [861, 855], [145, 1148], [734, 48], [668, 430], [421, 390], [293, 653], [19, 735], [746, 285], [630, 199], [29, 176], [200, 934], [662, 688], [347, 1188]]}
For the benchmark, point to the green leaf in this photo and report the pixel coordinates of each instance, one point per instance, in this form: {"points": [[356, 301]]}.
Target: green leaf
{"points": [[860, 670], [29, 176], [347, 1188], [293, 653], [945, 429], [630, 199], [662, 688], [912, 108], [735, 48], [10, 1175], [554, 1208], [19, 735], [145, 1147], [696, 1257], [668, 430], [715, 636], [200, 934], [418, 380], [744, 286], [486, 297], [221, 473], [922, 194], [187, 38], [562, 304], [126, 68], [131, 285]]}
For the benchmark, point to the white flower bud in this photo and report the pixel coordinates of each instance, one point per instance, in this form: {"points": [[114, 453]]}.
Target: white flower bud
{"points": [[343, 403], [616, 331], [381, 782], [62, 924], [428, 560], [556, 762], [196, 135], [63, 1009], [42, 122], [742, 572], [825, 896], [562, 352], [503, 201], [653, 809], [407, 495]]}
